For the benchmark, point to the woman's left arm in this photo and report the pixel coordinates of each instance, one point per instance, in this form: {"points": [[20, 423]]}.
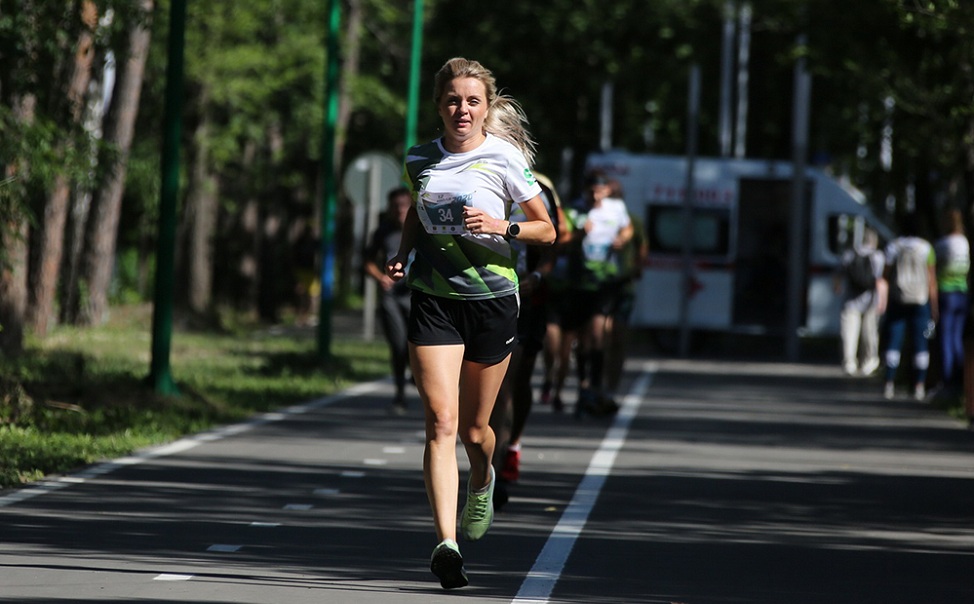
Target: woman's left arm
{"points": [[537, 229]]}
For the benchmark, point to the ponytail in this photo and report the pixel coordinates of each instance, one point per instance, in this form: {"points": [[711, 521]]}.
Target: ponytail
{"points": [[506, 120]]}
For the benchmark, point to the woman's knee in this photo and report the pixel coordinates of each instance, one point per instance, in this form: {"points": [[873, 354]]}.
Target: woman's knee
{"points": [[475, 435], [441, 424]]}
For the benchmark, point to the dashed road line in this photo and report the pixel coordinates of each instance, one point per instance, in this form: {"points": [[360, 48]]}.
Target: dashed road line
{"points": [[172, 577]]}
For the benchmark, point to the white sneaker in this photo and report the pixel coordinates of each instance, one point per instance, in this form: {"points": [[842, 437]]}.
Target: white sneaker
{"points": [[889, 391], [919, 393], [870, 366], [849, 368]]}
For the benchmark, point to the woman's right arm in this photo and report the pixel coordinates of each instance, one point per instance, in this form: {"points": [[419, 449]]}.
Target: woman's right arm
{"points": [[396, 268]]}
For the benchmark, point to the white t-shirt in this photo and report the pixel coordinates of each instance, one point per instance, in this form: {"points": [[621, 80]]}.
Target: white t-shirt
{"points": [[953, 262], [607, 220], [451, 262], [602, 225], [909, 257]]}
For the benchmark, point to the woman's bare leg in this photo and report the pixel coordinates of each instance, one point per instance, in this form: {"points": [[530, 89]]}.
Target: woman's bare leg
{"points": [[479, 385], [437, 373]]}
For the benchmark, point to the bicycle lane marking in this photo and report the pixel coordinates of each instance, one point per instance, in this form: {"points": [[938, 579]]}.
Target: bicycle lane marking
{"points": [[544, 575]]}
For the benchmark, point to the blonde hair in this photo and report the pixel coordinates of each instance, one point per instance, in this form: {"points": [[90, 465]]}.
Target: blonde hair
{"points": [[505, 117]]}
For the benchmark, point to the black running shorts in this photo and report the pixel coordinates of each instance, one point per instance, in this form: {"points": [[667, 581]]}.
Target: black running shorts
{"points": [[486, 328]]}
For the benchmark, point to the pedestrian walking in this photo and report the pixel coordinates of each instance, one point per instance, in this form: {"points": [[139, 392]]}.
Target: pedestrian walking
{"points": [[394, 296], [463, 319], [860, 281], [953, 253], [910, 272]]}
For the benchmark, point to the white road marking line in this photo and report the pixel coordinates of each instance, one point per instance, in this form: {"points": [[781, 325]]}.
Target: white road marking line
{"points": [[375, 462], [298, 507], [265, 524], [393, 450], [220, 547], [326, 492], [184, 444], [353, 474], [547, 569], [171, 577]]}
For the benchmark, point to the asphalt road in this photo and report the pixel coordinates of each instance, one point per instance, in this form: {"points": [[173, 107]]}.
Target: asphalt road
{"points": [[719, 482]]}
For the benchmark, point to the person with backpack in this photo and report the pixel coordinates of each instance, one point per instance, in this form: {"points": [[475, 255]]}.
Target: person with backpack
{"points": [[861, 278], [911, 273]]}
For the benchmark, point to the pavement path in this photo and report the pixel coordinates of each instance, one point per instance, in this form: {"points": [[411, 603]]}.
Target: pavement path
{"points": [[719, 482]]}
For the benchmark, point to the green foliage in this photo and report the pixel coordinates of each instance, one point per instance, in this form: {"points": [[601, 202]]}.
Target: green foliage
{"points": [[254, 76], [128, 287], [255, 67]]}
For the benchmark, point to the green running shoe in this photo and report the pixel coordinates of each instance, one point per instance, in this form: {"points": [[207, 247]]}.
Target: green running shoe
{"points": [[447, 564], [478, 512]]}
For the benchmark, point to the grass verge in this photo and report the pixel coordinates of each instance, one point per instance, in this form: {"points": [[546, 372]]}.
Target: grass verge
{"points": [[81, 396]]}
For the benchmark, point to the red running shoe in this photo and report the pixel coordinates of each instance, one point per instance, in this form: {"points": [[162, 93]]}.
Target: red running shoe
{"points": [[512, 466], [546, 393]]}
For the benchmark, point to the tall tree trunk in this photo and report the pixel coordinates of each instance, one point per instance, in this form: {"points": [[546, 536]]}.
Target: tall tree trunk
{"points": [[102, 229], [202, 205], [350, 68], [13, 267], [272, 260], [13, 285], [246, 232], [968, 173], [249, 266], [51, 243]]}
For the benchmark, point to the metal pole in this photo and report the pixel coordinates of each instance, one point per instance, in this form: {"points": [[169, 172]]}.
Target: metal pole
{"points": [[374, 195], [796, 239], [726, 66], [743, 70], [414, 76], [605, 139], [329, 185], [693, 111], [160, 372]]}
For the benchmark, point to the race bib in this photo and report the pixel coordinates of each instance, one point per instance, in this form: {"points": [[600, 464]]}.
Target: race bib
{"points": [[442, 213], [596, 252]]}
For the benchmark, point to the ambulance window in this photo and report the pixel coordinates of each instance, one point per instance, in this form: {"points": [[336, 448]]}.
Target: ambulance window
{"points": [[710, 229]]}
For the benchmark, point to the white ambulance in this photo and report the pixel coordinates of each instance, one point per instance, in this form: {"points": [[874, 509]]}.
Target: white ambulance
{"points": [[740, 224]]}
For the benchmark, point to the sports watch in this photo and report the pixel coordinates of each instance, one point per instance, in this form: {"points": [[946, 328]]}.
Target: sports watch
{"points": [[513, 230]]}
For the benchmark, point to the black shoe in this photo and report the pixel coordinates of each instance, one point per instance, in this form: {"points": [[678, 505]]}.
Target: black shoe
{"points": [[585, 404], [447, 564], [606, 407]]}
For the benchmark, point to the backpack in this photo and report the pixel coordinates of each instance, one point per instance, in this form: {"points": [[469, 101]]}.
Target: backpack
{"points": [[909, 282], [861, 275]]}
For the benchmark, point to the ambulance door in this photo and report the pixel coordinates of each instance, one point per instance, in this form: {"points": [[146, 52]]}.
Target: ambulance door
{"points": [[761, 266]]}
